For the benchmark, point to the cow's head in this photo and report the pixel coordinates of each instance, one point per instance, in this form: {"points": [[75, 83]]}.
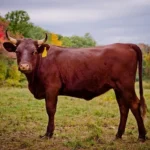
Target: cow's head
{"points": [[27, 51]]}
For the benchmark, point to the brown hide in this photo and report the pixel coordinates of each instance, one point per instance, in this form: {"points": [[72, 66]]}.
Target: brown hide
{"points": [[88, 72], [83, 73]]}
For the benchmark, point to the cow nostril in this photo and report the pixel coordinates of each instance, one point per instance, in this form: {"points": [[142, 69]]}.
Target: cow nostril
{"points": [[27, 66], [24, 66]]}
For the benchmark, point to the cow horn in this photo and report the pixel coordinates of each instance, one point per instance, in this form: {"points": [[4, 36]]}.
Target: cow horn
{"points": [[12, 40], [40, 42]]}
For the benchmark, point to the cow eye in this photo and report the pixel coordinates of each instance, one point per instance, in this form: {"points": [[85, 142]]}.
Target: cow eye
{"points": [[34, 53]]}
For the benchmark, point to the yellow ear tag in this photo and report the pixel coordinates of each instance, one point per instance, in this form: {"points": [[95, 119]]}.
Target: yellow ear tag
{"points": [[44, 54]]}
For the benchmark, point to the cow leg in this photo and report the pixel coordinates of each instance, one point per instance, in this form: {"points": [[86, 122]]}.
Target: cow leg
{"points": [[135, 108], [130, 99], [124, 109], [51, 102], [51, 109]]}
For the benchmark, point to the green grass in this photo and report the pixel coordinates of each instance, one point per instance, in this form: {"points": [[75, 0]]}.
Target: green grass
{"points": [[80, 124]]}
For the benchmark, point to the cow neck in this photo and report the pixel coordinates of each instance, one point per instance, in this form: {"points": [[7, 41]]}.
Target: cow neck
{"points": [[31, 77]]}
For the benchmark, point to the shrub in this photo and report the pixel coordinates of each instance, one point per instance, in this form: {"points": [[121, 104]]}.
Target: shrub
{"points": [[12, 82], [13, 72], [3, 70]]}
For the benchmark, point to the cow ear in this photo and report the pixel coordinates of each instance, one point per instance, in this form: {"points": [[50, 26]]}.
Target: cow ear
{"points": [[42, 47], [9, 47]]}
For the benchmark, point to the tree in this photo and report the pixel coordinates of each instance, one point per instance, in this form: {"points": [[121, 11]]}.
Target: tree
{"points": [[66, 41], [88, 40], [79, 41], [34, 32], [19, 21]]}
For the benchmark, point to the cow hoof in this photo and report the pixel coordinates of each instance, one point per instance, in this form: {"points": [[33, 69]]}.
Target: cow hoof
{"points": [[142, 139], [46, 136], [118, 137]]}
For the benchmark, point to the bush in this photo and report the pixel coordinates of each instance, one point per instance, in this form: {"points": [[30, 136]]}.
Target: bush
{"points": [[9, 74], [3, 69], [13, 72], [11, 82]]}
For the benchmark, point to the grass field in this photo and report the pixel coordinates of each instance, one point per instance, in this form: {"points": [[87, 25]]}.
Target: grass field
{"points": [[80, 124]]}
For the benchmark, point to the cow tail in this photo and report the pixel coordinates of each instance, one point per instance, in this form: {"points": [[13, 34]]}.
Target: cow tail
{"points": [[143, 106]]}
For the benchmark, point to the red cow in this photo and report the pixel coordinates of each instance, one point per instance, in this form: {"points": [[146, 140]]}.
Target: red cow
{"points": [[83, 73]]}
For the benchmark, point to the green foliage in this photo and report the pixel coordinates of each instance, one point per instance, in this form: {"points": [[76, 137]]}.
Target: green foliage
{"points": [[3, 68], [13, 72], [9, 74], [13, 75], [17, 17], [77, 41], [12, 82], [146, 65], [147, 59], [34, 32], [18, 21], [67, 42], [22, 78]]}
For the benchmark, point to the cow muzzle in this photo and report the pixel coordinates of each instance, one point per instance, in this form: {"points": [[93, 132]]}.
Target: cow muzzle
{"points": [[24, 67]]}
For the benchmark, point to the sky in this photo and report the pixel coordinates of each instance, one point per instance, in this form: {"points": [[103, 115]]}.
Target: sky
{"points": [[108, 21]]}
